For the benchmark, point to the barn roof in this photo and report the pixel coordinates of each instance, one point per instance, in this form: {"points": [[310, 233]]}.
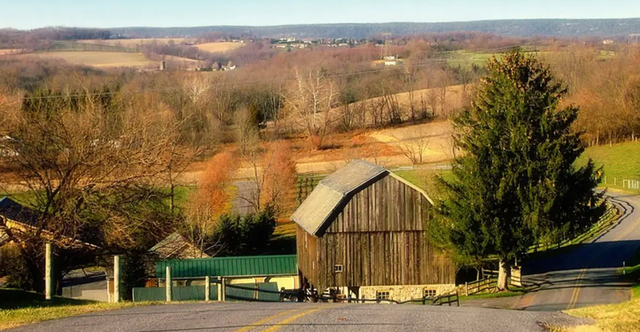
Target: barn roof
{"points": [[332, 192], [13, 210]]}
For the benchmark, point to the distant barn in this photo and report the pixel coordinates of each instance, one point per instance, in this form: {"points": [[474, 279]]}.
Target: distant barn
{"points": [[363, 230]]}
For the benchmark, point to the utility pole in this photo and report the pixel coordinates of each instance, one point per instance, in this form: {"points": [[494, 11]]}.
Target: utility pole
{"points": [[48, 273]]}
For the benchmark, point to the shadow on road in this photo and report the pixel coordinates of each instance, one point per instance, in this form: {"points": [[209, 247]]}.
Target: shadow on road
{"points": [[601, 255]]}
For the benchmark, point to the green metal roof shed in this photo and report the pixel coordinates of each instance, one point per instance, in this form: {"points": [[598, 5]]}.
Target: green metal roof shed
{"points": [[245, 266]]}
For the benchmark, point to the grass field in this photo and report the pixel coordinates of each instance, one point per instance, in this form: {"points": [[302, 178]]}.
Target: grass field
{"points": [[21, 308], [620, 162], [468, 59], [98, 59], [219, 47]]}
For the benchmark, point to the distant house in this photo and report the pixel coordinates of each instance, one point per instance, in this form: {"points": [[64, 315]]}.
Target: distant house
{"points": [[363, 232], [607, 42], [176, 246]]}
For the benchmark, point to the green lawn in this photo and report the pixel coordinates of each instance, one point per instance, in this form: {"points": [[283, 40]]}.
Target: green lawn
{"points": [[426, 180], [468, 59], [620, 162], [514, 291], [21, 308]]}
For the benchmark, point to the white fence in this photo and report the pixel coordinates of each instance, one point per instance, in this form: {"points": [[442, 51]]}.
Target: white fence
{"points": [[625, 183]]}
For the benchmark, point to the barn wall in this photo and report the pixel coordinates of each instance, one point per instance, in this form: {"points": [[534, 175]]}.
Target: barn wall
{"points": [[382, 258], [307, 249], [380, 238], [386, 205]]}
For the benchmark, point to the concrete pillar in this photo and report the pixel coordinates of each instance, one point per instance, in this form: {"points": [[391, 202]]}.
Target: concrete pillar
{"points": [[48, 273], [207, 288], [116, 279], [168, 284], [220, 290]]}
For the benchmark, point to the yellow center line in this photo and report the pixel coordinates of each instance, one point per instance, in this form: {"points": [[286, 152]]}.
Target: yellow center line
{"points": [[262, 321], [628, 231], [576, 290], [284, 322]]}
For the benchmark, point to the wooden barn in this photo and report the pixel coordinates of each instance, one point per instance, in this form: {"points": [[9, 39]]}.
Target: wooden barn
{"points": [[363, 230]]}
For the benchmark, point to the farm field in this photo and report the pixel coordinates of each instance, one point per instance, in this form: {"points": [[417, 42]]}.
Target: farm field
{"points": [[468, 59], [219, 47], [98, 59], [134, 42]]}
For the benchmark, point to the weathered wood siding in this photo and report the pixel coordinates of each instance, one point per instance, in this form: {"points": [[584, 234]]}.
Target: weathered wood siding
{"points": [[380, 238]]}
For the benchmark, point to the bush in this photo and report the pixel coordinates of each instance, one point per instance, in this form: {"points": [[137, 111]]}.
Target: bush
{"points": [[14, 267]]}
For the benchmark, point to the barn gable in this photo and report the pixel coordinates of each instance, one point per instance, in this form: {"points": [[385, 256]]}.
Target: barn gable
{"points": [[326, 202], [332, 193]]}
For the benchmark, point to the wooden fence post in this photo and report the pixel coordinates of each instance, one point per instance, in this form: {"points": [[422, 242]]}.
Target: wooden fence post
{"points": [[168, 284], [116, 279], [207, 288], [220, 290], [48, 272]]}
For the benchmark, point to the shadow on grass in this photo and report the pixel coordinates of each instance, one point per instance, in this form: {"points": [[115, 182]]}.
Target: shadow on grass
{"points": [[282, 245], [19, 299]]}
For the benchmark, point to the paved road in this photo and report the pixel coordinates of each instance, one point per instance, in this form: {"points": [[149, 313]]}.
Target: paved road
{"points": [[589, 274], [245, 317]]}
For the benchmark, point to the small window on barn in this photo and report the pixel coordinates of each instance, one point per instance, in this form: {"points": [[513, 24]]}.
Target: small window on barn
{"points": [[429, 293], [337, 268], [382, 295]]}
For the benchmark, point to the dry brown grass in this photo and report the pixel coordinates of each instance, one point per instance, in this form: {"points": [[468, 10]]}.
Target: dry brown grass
{"points": [[135, 42], [10, 51], [97, 59], [622, 317], [219, 47]]}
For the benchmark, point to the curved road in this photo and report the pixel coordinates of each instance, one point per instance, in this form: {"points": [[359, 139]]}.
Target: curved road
{"points": [[589, 274]]}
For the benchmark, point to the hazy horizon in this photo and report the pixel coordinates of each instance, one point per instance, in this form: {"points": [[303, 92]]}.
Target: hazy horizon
{"points": [[32, 14]]}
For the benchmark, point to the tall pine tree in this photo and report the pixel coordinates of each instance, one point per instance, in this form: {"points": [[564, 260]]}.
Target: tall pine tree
{"points": [[516, 183]]}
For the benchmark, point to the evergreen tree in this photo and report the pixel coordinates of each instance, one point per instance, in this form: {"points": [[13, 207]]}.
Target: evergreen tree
{"points": [[516, 183]]}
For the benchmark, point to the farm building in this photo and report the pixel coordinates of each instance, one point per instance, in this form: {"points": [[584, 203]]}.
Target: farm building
{"points": [[363, 230], [264, 272]]}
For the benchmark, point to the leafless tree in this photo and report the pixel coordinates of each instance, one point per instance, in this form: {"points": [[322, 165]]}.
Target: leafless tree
{"points": [[414, 149], [79, 162], [312, 98]]}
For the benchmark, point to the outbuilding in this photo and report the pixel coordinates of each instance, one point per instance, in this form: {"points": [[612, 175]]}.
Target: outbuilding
{"points": [[363, 231]]}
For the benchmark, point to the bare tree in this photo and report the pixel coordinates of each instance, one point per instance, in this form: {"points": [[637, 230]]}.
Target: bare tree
{"points": [[312, 98], [414, 149], [85, 169]]}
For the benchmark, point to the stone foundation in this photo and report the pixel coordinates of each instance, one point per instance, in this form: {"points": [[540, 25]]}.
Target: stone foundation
{"points": [[404, 293]]}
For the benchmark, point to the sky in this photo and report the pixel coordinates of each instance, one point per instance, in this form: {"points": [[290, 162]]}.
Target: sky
{"points": [[30, 14]]}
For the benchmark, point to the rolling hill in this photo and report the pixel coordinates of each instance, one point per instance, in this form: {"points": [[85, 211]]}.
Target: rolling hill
{"points": [[523, 28]]}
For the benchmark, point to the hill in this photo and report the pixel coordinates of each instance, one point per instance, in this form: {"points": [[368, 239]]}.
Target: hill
{"points": [[523, 28]]}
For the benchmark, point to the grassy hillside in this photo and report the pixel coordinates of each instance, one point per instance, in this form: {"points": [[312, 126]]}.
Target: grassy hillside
{"points": [[619, 161]]}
